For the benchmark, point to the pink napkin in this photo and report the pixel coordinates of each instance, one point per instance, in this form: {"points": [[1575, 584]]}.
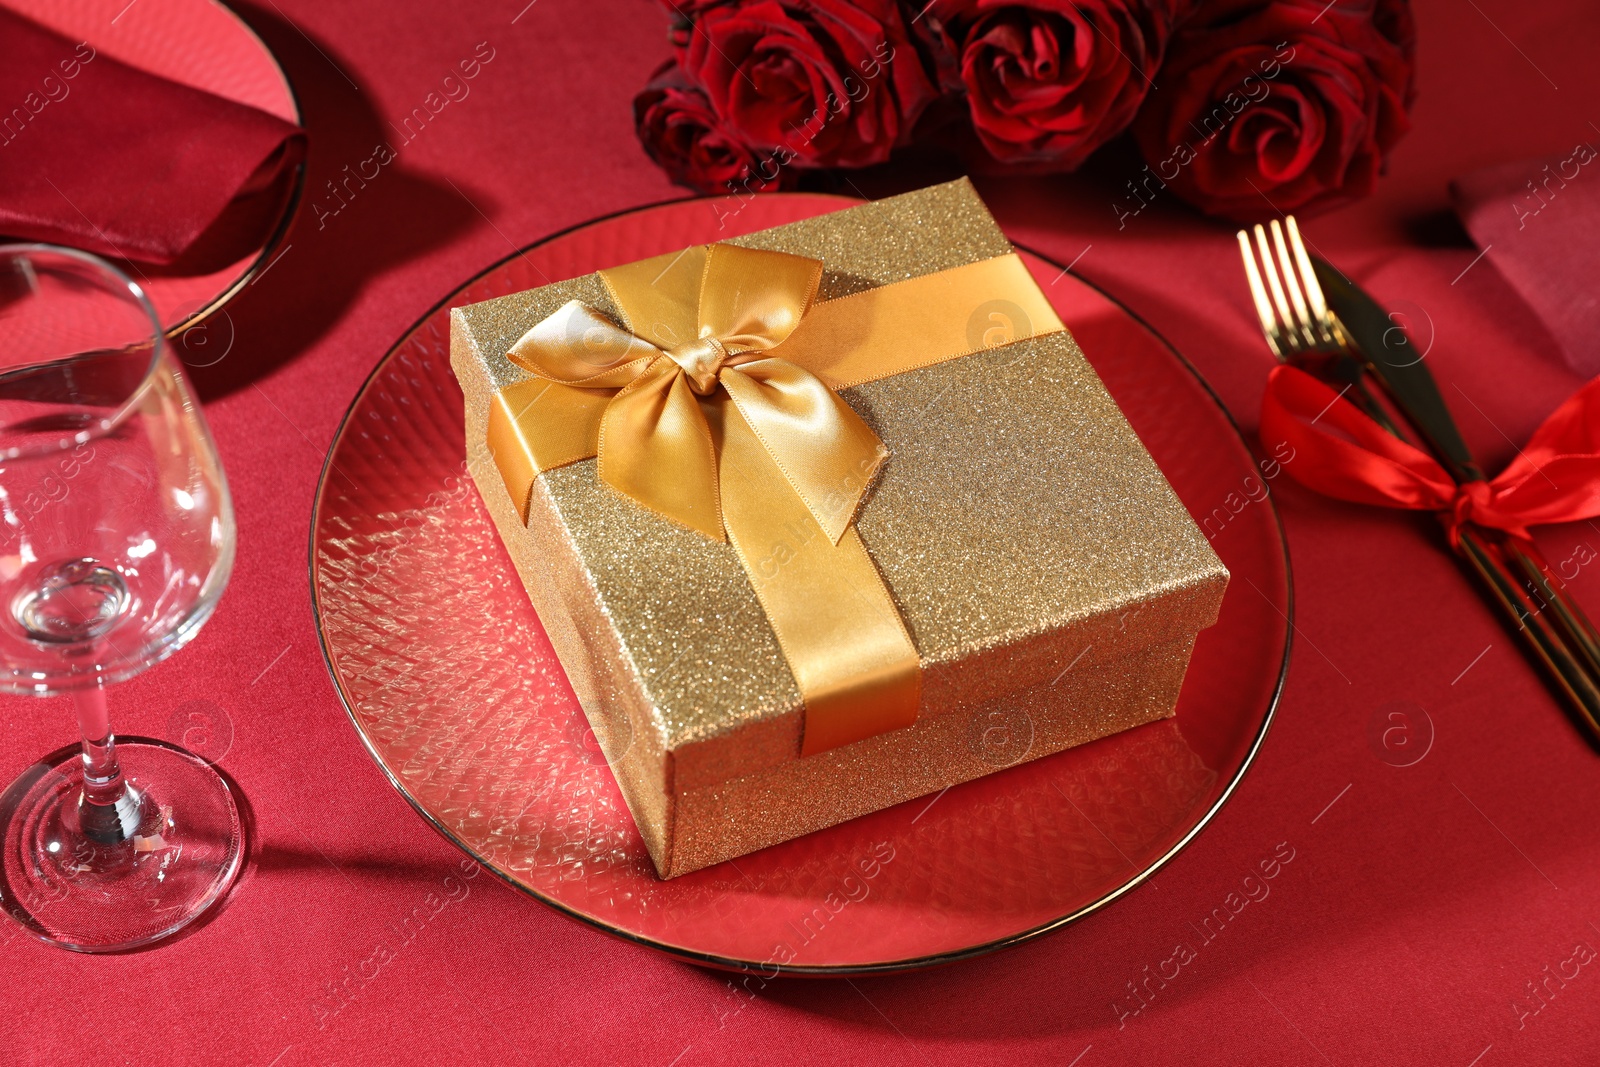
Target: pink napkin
{"points": [[104, 157], [1539, 224]]}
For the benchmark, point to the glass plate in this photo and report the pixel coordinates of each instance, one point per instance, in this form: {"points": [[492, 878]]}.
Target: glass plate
{"points": [[454, 689]]}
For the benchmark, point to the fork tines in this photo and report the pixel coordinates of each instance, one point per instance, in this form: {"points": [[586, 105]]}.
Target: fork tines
{"points": [[1296, 317]]}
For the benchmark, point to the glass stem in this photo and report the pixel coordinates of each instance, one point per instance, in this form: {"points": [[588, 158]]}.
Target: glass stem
{"points": [[108, 809]]}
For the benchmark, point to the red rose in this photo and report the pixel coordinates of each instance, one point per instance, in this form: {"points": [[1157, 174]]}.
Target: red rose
{"points": [[828, 82], [1049, 81], [1278, 106], [683, 135], [683, 14]]}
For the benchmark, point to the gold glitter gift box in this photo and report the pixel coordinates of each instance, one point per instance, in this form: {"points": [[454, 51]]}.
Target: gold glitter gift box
{"points": [[1049, 579]]}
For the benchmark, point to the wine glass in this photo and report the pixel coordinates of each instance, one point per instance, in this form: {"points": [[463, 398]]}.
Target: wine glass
{"points": [[116, 539]]}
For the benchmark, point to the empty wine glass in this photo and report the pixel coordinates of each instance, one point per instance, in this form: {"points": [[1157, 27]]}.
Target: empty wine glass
{"points": [[116, 539]]}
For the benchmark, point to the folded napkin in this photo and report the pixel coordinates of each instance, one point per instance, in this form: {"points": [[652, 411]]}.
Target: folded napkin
{"points": [[1539, 224], [105, 157]]}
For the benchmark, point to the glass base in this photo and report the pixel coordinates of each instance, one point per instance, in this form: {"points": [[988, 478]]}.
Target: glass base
{"points": [[184, 850]]}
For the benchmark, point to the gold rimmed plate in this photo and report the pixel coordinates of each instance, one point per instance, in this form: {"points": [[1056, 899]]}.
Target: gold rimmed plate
{"points": [[456, 693]]}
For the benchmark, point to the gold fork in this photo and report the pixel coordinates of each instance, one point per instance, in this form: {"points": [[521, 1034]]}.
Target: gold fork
{"points": [[1312, 327], [1296, 322], [1302, 330]]}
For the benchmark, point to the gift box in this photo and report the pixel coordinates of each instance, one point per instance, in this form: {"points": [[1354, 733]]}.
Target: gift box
{"points": [[826, 518]]}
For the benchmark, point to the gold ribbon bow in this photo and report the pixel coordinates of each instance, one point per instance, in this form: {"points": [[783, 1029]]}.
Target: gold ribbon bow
{"points": [[655, 440], [716, 407]]}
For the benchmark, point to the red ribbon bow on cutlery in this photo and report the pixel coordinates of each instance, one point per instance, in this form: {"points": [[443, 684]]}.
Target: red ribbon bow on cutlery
{"points": [[1340, 452]]}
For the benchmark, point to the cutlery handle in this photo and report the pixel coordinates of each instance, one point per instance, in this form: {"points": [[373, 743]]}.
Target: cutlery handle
{"points": [[1550, 623], [1582, 639]]}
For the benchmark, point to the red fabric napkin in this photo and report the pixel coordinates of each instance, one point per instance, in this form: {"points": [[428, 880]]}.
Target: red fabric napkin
{"points": [[101, 156], [1538, 222]]}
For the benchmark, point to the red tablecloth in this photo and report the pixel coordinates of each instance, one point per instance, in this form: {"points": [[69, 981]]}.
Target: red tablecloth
{"points": [[1421, 902]]}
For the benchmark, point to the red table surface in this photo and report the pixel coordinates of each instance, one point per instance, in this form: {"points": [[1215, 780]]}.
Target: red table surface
{"points": [[1420, 900]]}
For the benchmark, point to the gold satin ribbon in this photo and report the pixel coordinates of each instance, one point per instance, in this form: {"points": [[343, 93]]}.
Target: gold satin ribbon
{"points": [[716, 407]]}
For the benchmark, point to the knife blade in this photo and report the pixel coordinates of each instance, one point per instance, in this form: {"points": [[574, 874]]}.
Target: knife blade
{"points": [[1536, 600]]}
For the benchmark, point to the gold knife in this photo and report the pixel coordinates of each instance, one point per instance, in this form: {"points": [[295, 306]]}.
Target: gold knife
{"points": [[1535, 599]]}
